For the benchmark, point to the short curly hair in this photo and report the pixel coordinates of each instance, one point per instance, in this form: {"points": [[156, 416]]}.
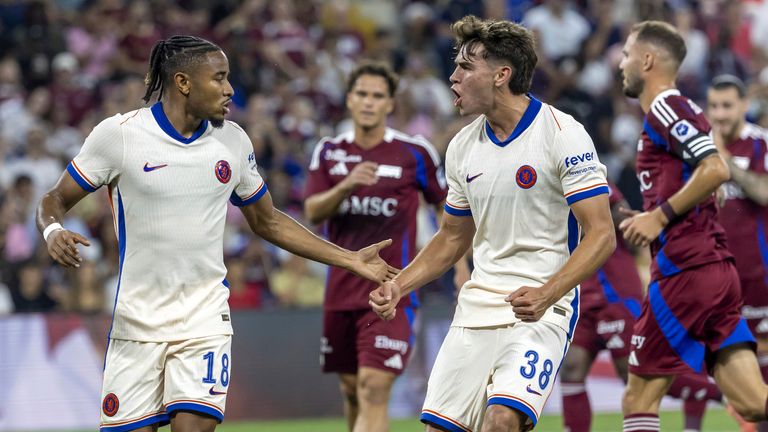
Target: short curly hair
{"points": [[504, 41]]}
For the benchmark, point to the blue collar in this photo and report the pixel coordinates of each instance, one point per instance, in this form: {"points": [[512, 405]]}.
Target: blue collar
{"points": [[167, 127], [522, 125]]}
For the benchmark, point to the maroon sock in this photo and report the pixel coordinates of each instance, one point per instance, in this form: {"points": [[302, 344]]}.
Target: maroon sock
{"points": [[641, 422], [577, 414], [696, 387], [694, 412]]}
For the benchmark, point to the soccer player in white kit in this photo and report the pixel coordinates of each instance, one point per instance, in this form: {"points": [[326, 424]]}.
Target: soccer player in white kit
{"points": [[170, 170], [525, 186]]}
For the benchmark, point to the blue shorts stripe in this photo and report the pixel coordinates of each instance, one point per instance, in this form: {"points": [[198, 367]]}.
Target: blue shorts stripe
{"points": [[516, 405], [158, 418], [740, 334], [432, 419], [197, 407], [689, 350], [666, 267]]}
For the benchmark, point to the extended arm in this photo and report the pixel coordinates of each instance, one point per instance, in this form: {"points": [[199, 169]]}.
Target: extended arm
{"points": [[643, 228], [755, 185], [62, 243], [598, 243], [280, 229], [446, 247]]}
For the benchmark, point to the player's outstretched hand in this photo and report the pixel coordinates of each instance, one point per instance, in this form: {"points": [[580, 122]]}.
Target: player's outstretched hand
{"points": [[529, 303], [370, 265], [62, 246], [384, 299], [642, 228]]}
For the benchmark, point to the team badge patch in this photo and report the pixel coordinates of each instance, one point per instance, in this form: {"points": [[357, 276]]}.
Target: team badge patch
{"points": [[110, 405], [526, 176], [223, 171]]}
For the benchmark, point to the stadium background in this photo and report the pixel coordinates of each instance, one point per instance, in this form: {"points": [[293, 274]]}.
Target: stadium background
{"points": [[67, 64]]}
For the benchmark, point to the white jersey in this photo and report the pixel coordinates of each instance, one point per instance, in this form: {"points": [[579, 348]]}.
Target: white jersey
{"points": [[518, 192], [169, 200]]}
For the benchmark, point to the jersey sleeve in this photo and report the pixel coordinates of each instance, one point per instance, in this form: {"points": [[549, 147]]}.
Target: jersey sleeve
{"points": [[581, 173], [687, 130], [456, 203], [614, 194], [252, 185], [101, 157], [429, 175], [318, 179]]}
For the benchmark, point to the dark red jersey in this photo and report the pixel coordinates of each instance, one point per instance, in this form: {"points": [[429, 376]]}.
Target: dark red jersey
{"points": [[675, 138], [617, 281], [408, 166], [745, 221]]}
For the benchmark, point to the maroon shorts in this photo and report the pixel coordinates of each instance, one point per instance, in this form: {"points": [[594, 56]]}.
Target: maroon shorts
{"points": [[755, 309], [686, 318], [607, 327], [357, 338]]}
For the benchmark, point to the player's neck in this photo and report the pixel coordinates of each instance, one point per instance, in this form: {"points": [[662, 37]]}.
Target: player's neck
{"points": [[184, 123], [652, 89], [506, 114], [368, 138], [736, 134]]}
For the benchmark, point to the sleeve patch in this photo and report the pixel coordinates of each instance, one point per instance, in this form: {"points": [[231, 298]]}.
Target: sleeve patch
{"points": [[683, 131]]}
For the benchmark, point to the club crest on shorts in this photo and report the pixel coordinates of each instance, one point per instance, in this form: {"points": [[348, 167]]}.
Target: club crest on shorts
{"points": [[526, 176], [110, 405], [223, 171]]}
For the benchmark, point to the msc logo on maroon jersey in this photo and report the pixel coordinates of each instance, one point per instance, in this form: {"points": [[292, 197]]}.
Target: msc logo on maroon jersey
{"points": [[526, 177], [223, 171], [369, 206]]}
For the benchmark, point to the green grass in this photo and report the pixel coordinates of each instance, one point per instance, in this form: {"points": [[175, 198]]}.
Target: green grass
{"points": [[715, 420]]}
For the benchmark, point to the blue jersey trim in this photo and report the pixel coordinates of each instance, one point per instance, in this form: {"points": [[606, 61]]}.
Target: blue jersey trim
{"points": [[457, 212], [432, 419], [573, 232], [121, 255], [666, 266], [410, 313], [586, 194], [688, 349], [163, 419], [239, 202], [740, 334], [167, 127], [632, 305], [655, 137], [762, 242], [687, 172], [421, 169], [85, 184], [191, 406], [514, 404], [225, 282], [528, 116]]}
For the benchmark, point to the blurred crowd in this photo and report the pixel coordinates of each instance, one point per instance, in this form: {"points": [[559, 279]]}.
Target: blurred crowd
{"points": [[67, 64]]}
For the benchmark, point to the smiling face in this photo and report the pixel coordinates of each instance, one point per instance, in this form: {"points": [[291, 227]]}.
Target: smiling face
{"points": [[726, 110], [631, 67], [369, 101], [210, 92], [473, 81]]}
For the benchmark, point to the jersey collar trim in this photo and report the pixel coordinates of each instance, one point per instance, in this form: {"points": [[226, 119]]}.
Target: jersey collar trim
{"points": [[528, 116], [167, 127]]}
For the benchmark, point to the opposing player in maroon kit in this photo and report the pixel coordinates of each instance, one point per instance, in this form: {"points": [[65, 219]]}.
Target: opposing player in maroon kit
{"points": [[367, 184], [744, 215], [610, 304], [691, 316]]}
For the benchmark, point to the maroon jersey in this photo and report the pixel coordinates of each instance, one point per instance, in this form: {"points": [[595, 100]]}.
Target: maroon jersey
{"points": [[407, 165], [744, 220], [674, 140], [617, 281]]}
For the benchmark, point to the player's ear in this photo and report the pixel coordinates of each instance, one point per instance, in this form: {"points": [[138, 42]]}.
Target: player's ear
{"points": [[503, 76], [182, 82], [391, 105], [648, 61]]}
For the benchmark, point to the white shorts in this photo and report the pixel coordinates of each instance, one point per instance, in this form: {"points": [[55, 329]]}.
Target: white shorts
{"points": [[513, 365], [145, 382]]}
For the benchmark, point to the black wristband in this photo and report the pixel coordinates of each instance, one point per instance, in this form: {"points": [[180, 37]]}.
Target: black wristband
{"points": [[668, 211]]}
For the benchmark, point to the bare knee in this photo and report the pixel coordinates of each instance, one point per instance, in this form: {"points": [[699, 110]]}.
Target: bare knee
{"points": [[750, 410], [499, 418], [628, 400], [348, 389], [374, 389]]}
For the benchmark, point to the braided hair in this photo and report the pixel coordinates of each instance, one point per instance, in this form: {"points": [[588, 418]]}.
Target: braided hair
{"points": [[170, 56]]}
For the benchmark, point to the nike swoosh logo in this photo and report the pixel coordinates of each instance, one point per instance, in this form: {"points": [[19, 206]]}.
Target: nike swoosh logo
{"points": [[528, 389], [148, 168], [213, 392], [469, 179]]}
